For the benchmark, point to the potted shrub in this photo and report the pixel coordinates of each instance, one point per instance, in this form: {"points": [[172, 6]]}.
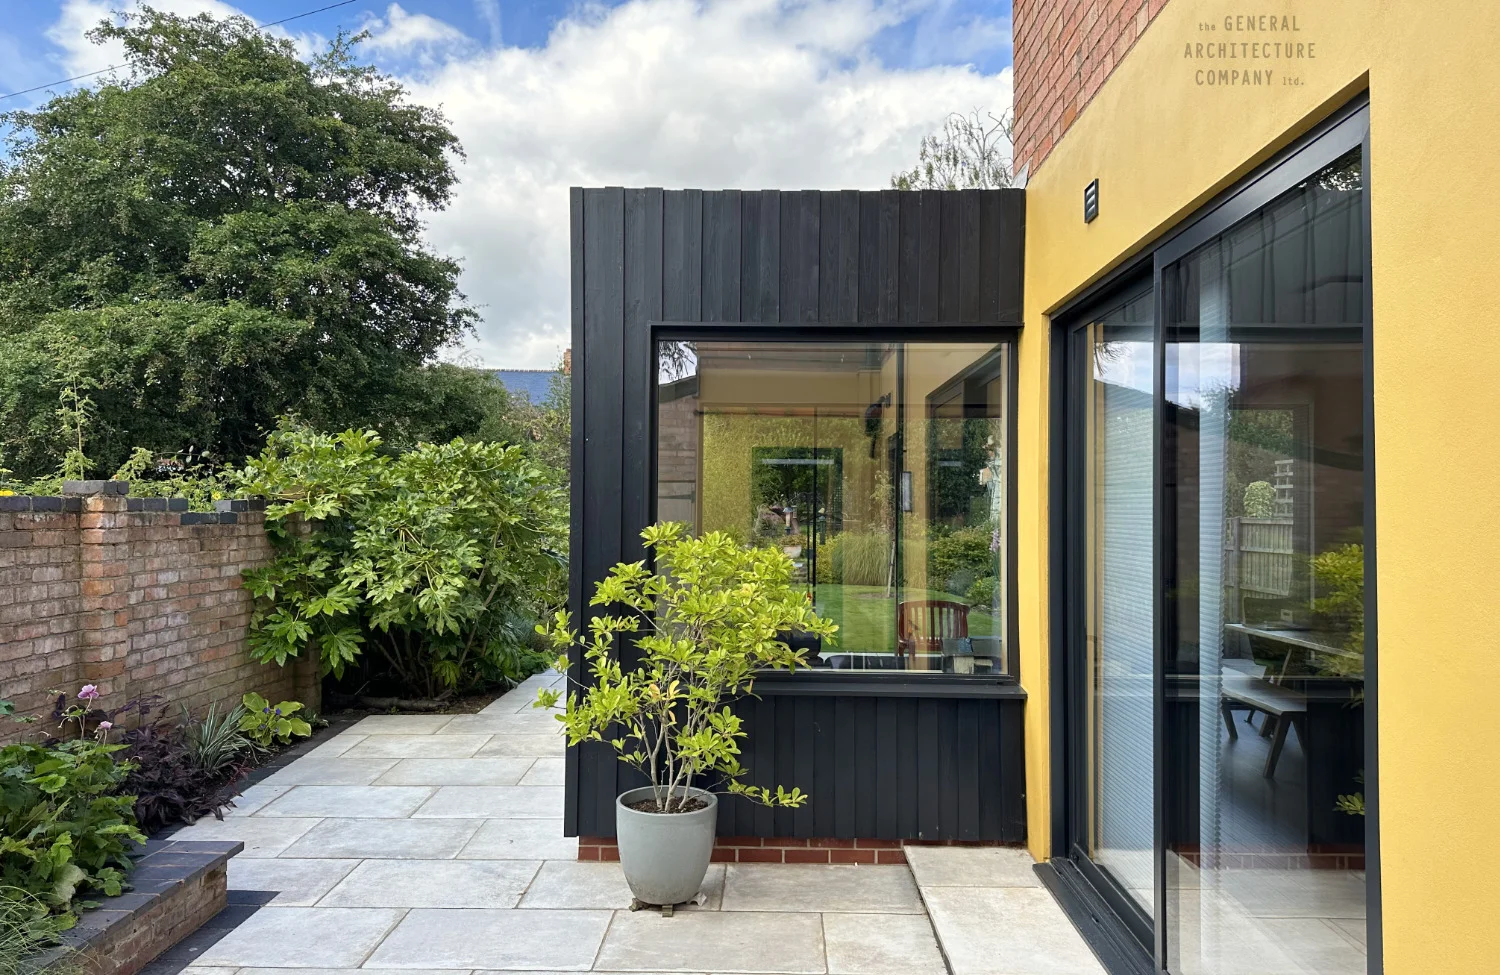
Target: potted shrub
{"points": [[705, 623]]}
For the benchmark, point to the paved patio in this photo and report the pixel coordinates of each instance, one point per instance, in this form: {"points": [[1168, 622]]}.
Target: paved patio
{"points": [[434, 844]]}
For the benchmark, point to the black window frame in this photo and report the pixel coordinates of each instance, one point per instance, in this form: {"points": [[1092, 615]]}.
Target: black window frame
{"points": [[895, 683], [1118, 933]]}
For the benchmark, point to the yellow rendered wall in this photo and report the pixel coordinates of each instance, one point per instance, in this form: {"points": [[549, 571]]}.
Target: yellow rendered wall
{"points": [[1160, 145]]}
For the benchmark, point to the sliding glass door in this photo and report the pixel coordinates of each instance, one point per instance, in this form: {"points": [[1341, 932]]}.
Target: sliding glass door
{"points": [[1217, 518]]}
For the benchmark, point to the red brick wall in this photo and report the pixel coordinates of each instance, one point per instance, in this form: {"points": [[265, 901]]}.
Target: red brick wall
{"points": [[755, 849], [1064, 51], [138, 602]]}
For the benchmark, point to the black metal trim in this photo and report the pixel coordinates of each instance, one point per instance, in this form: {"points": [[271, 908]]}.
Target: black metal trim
{"points": [[822, 683], [1374, 905], [1103, 931]]}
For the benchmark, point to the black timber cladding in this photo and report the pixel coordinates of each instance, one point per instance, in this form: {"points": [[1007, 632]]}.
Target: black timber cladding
{"points": [[642, 258]]}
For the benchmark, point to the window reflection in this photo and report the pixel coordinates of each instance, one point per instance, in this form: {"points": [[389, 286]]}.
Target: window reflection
{"points": [[1265, 648], [880, 469]]}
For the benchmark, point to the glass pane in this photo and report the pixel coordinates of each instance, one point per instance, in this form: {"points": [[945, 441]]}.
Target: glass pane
{"points": [[1264, 711], [879, 468], [1118, 628]]}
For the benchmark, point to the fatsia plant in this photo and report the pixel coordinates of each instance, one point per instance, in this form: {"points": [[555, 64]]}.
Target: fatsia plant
{"points": [[706, 622], [439, 560]]}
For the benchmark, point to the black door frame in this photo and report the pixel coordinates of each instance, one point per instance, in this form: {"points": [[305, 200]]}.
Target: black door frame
{"points": [[1125, 940]]}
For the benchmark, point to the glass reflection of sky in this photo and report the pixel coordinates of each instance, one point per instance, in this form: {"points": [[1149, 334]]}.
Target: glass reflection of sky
{"points": [[1198, 373]]}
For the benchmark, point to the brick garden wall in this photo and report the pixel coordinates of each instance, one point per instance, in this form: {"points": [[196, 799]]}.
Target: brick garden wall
{"points": [[1064, 51], [136, 595]]}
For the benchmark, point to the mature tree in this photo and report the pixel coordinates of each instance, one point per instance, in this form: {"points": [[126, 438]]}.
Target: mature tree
{"points": [[227, 234], [972, 152]]}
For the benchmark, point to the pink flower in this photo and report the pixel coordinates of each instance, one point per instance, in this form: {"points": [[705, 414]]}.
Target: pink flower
{"points": [[88, 693], [105, 725]]}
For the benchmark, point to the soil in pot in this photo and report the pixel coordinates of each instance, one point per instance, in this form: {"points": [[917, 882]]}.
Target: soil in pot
{"points": [[649, 806]]}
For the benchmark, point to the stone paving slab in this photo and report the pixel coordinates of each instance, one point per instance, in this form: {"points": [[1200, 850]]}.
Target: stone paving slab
{"points": [[350, 801], [418, 746], [1007, 931], [313, 769], [434, 883], [821, 887], [262, 837], [716, 941], [881, 944], [497, 939], [493, 802], [392, 839], [303, 937], [298, 883], [459, 771], [533, 746], [523, 839], [400, 724], [571, 884]]}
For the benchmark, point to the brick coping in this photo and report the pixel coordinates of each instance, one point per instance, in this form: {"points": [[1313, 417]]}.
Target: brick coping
{"points": [[176, 886]]}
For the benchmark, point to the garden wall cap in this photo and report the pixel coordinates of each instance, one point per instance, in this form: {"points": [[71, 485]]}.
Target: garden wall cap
{"points": [[87, 488]]}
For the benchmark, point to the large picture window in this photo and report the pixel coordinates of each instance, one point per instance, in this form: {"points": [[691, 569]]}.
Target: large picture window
{"points": [[881, 468]]}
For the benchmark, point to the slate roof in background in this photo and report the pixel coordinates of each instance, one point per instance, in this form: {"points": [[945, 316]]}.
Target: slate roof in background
{"points": [[530, 383]]}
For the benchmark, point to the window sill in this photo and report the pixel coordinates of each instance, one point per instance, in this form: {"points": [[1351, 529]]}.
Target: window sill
{"points": [[807, 683]]}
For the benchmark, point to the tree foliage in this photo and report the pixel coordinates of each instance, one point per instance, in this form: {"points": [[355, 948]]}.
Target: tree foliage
{"points": [[437, 561], [227, 234], [709, 619], [972, 152]]}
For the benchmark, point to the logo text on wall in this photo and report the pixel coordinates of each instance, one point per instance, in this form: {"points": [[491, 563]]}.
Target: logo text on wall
{"points": [[1249, 50]]}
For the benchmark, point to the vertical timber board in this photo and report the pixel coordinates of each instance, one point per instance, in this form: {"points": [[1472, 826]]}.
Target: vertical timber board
{"points": [[603, 468], [968, 256], [846, 288], [720, 231], [809, 267], [869, 256], [643, 305], [991, 230], [909, 281], [828, 258], [749, 271], [929, 253], [969, 769], [768, 274], [948, 257], [578, 386], [889, 309], [673, 256], [692, 259], [1012, 207]]}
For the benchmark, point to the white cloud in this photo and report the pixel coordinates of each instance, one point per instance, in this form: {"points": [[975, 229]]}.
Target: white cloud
{"points": [[77, 17], [720, 93], [403, 34]]}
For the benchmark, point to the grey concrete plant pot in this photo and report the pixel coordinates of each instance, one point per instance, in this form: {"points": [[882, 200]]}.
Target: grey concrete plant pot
{"points": [[665, 855]]}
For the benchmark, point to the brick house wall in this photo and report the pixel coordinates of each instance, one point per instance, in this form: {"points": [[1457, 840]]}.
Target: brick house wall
{"points": [[1064, 51], [100, 590]]}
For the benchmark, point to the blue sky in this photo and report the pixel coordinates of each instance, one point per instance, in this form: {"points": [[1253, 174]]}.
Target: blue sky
{"points": [[544, 95]]}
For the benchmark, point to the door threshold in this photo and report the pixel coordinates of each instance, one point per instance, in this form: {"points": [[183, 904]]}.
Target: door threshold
{"points": [[1105, 934]]}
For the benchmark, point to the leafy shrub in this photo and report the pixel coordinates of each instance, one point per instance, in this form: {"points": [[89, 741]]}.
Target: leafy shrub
{"points": [[714, 614], [982, 592], [1260, 499], [439, 560], [957, 559], [268, 724], [64, 826]]}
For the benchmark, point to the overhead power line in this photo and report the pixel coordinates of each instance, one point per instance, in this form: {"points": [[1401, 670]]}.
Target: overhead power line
{"points": [[79, 77]]}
